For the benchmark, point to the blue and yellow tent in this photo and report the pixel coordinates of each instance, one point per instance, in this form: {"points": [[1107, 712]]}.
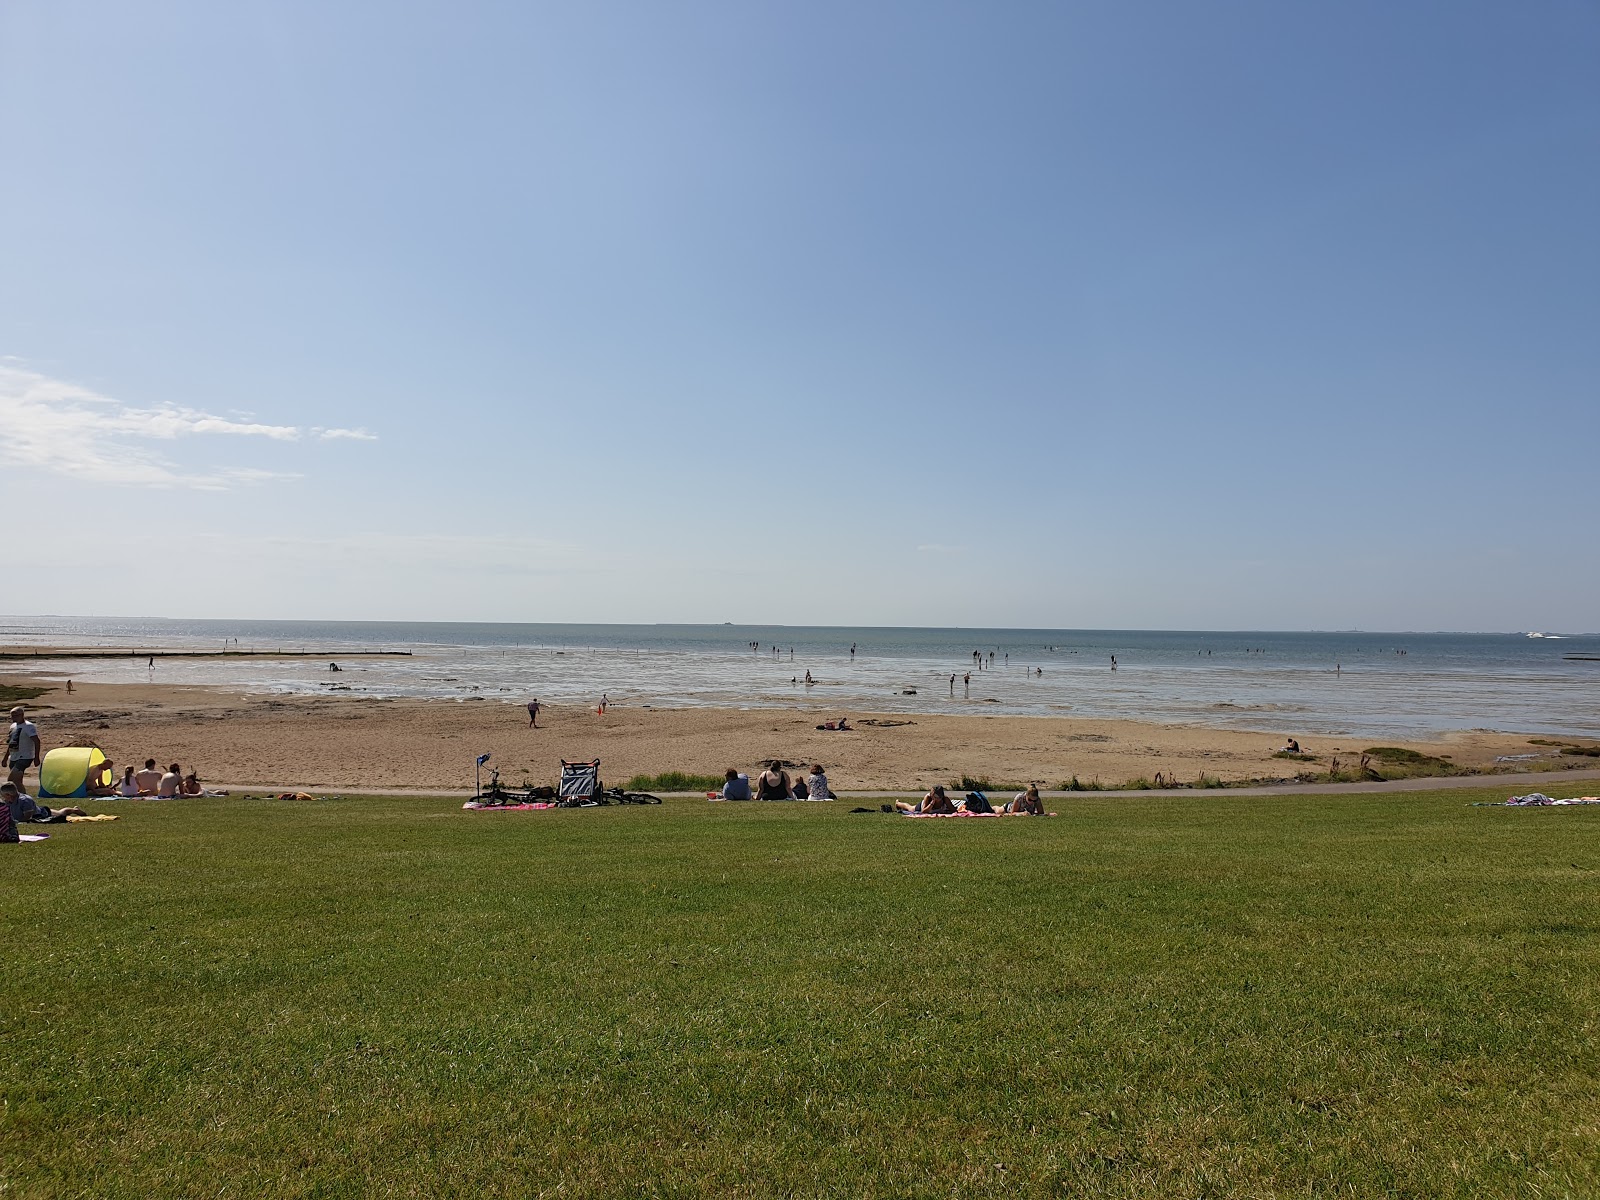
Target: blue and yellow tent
{"points": [[68, 770]]}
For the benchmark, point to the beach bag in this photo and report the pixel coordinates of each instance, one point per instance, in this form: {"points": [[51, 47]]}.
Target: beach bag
{"points": [[977, 802]]}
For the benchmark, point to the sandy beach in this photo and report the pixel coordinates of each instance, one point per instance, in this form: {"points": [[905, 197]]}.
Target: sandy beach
{"points": [[347, 743]]}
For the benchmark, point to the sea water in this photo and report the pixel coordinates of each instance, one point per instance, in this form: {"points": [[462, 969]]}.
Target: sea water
{"points": [[1290, 683]]}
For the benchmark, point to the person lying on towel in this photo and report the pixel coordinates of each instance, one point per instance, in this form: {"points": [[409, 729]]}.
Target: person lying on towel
{"points": [[935, 803]]}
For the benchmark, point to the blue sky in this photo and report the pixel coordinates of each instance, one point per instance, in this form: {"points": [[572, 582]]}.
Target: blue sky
{"points": [[1235, 315]]}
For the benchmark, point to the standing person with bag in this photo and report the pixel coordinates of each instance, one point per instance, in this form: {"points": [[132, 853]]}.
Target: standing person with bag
{"points": [[773, 783], [22, 745]]}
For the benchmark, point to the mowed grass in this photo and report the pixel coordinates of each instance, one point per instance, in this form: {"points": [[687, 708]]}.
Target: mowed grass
{"points": [[1198, 996]]}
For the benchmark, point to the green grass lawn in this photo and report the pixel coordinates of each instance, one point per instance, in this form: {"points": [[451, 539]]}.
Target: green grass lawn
{"points": [[1197, 996]]}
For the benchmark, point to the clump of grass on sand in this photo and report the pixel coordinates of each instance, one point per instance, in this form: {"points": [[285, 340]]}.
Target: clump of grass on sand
{"points": [[1229, 996], [11, 693]]}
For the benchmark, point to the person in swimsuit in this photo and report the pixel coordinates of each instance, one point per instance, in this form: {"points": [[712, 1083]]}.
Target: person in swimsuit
{"points": [[773, 783], [533, 714], [99, 780], [129, 785], [935, 803], [1027, 802], [149, 779]]}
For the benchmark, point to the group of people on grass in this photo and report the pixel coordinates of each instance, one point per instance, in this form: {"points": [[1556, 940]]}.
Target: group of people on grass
{"points": [[937, 804], [152, 781], [775, 783], [24, 751]]}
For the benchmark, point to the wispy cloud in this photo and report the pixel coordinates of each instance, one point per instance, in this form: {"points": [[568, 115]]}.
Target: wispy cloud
{"points": [[57, 426]]}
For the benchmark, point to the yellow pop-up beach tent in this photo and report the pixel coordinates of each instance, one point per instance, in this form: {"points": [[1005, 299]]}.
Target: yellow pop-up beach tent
{"points": [[66, 771]]}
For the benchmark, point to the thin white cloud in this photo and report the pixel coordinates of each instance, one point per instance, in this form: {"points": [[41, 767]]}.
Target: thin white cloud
{"points": [[354, 435], [56, 426]]}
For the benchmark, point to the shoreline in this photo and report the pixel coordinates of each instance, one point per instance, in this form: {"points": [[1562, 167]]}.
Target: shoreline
{"points": [[348, 742]]}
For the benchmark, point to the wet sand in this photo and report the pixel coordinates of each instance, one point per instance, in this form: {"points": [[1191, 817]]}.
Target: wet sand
{"points": [[347, 743]]}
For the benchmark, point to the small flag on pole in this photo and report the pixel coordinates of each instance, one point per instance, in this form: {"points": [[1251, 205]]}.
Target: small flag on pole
{"points": [[482, 758]]}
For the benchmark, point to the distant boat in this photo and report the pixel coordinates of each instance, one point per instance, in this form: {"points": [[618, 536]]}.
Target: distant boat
{"points": [[1554, 637]]}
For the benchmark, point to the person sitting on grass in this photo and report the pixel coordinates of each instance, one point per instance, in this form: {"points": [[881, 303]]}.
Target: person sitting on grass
{"points": [[1027, 802], [24, 808], [799, 791], [817, 785], [773, 783], [171, 785], [98, 782], [127, 786], [737, 786], [935, 803], [149, 779]]}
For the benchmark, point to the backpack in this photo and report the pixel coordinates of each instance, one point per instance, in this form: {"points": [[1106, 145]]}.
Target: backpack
{"points": [[8, 827], [977, 802]]}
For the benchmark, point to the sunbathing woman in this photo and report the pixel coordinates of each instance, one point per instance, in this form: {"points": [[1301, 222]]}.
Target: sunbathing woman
{"points": [[773, 783], [129, 785], [1027, 802], [935, 803]]}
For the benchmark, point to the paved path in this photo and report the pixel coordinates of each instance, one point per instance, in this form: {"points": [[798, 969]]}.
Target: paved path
{"points": [[1519, 783]]}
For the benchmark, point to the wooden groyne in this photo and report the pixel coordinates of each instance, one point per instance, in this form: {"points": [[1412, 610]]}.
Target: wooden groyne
{"points": [[330, 655]]}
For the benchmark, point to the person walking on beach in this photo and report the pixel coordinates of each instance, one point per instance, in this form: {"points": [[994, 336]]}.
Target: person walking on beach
{"points": [[966, 685], [533, 714], [952, 685], [22, 745]]}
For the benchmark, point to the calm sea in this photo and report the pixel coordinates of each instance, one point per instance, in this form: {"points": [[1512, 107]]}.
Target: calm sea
{"points": [[1324, 683]]}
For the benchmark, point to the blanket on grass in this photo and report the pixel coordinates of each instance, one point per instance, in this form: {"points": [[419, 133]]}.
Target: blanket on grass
{"points": [[474, 806], [1540, 800], [930, 816]]}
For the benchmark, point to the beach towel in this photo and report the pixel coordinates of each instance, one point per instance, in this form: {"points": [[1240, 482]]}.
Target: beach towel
{"points": [[96, 817], [1540, 800], [33, 837], [937, 816], [475, 806]]}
